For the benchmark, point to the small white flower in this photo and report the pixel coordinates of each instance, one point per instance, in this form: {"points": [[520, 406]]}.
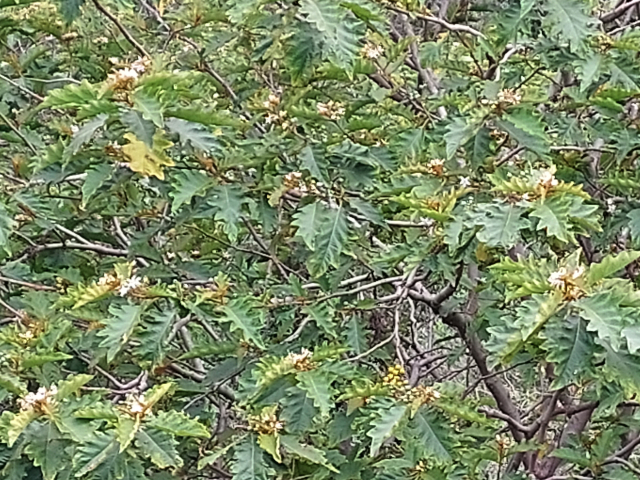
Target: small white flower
{"points": [[74, 129], [548, 179], [129, 284], [331, 109], [557, 279], [611, 205], [28, 335], [465, 182], [577, 273], [427, 222], [140, 65], [171, 255], [372, 51]]}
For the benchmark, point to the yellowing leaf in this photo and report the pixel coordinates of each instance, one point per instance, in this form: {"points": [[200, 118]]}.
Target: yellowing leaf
{"points": [[145, 161]]}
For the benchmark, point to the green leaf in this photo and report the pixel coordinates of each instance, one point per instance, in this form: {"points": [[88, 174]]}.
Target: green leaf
{"points": [[356, 336], [119, 328], [71, 385], [527, 130], [634, 224], [337, 30], [32, 360], [431, 433], [298, 410], [227, 200], [97, 449], [570, 348], [70, 9], [312, 159], [316, 384], [322, 314], [47, 449], [308, 220], [532, 316], [331, 240], [85, 134], [12, 383], [187, 184], [302, 50], [554, 218], [604, 316], [249, 462], [458, 133], [126, 430], [271, 445], [306, 452], [384, 425], [632, 335], [149, 107], [240, 314], [590, 70], [409, 144], [367, 210], [501, 223], [211, 458], [610, 265], [568, 21], [194, 133], [18, 423], [96, 177], [179, 424], [141, 128], [155, 331], [6, 225], [622, 368], [72, 96], [155, 394], [159, 447]]}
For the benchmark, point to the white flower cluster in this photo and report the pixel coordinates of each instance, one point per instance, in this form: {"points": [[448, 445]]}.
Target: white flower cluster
{"points": [[136, 405], [547, 180], [331, 109], [275, 118], [436, 166], [125, 77], [562, 278], [129, 284], [35, 400], [611, 205], [272, 102], [509, 96], [27, 335], [296, 358], [372, 51]]}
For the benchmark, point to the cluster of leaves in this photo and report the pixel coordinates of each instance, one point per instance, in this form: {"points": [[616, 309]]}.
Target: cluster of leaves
{"points": [[254, 239]]}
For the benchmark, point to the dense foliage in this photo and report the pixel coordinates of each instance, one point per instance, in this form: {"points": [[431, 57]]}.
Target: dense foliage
{"points": [[318, 239]]}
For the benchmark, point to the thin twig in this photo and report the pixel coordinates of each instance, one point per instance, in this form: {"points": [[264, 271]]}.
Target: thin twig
{"points": [[34, 286], [449, 26], [10, 308], [22, 88], [18, 132], [122, 28]]}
